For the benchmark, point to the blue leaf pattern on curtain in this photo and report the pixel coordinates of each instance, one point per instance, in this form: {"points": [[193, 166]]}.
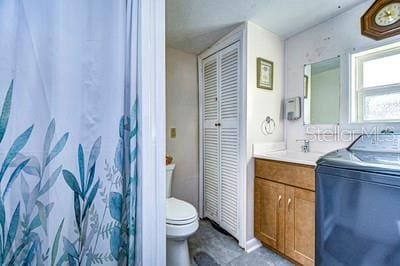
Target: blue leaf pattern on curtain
{"points": [[20, 235], [132, 182], [68, 133]]}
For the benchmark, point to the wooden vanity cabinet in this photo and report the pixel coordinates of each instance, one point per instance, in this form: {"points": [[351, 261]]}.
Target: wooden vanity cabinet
{"points": [[269, 217], [300, 225], [284, 208]]}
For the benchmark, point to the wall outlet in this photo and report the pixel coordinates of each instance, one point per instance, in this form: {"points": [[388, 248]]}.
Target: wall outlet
{"points": [[172, 132]]}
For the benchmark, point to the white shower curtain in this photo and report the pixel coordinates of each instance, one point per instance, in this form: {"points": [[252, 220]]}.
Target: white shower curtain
{"points": [[67, 132]]}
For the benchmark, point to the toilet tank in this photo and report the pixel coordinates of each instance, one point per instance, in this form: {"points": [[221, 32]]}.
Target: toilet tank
{"points": [[170, 171]]}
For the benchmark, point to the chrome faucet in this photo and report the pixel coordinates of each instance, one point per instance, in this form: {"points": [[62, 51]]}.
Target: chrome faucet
{"points": [[306, 147]]}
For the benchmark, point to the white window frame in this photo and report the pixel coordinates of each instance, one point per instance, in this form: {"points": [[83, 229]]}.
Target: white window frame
{"points": [[358, 92]]}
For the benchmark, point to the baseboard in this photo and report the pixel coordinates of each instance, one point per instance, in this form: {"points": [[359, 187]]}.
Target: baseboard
{"points": [[252, 245]]}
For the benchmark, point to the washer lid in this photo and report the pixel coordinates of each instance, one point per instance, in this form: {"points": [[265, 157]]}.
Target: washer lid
{"points": [[180, 212], [366, 161]]}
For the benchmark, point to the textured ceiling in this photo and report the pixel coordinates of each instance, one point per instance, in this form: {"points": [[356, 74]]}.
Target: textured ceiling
{"points": [[194, 25]]}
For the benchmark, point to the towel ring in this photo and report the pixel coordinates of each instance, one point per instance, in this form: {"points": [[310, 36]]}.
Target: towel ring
{"points": [[268, 126]]}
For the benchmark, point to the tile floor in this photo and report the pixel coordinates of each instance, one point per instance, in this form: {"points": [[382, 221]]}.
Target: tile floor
{"points": [[224, 250]]}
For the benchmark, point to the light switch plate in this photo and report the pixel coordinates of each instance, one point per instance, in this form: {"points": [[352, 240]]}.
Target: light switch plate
{"points": [[172, 132]]}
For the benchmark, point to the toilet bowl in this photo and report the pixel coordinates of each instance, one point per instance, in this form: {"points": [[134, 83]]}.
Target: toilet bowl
{"points": [[181, 222]]}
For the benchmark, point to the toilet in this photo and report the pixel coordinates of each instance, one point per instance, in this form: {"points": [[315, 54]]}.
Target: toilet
{"points": [[181, 221]]}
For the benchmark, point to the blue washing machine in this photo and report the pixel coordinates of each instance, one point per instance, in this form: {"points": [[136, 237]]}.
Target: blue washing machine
{"points": [[358, 203]]}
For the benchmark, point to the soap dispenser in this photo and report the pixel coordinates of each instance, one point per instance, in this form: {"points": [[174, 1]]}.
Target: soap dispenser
{"points": [[293, 108]]}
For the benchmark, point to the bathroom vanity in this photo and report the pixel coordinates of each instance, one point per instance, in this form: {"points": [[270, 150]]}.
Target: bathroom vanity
{"points": [[284, 205]]}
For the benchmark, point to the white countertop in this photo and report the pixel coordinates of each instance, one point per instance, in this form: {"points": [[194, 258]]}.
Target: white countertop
{"points": [[309, 158]]}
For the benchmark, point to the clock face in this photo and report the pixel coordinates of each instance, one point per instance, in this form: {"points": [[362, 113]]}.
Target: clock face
{"points": [[388, 15]]}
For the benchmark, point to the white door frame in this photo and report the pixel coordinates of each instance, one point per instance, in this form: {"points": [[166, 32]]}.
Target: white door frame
{"points": [[238, 34], [151, 99]]}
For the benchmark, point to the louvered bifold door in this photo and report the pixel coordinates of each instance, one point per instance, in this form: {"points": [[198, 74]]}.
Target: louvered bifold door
{"points": [[211, 138], [229, 137]]}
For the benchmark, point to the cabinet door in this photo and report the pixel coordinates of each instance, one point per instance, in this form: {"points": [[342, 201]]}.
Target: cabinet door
{"points": [[269, 213], [300, 225], [229, 137], [211, 139]]}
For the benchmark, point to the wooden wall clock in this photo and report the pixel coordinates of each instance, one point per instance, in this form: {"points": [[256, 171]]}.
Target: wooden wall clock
{"points": [[382, 20]]}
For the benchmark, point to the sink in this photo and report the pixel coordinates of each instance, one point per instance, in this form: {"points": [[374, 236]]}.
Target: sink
{"points": [[309, 158]]}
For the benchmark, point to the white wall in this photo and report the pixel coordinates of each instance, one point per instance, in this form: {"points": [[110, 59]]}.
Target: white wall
{"points": [[337, 36], [260, 102], [182, 113]]}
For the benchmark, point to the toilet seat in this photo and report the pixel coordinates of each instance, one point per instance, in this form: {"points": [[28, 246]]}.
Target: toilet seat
{"points": [[179, 212], [181, 218], [181, 232]]}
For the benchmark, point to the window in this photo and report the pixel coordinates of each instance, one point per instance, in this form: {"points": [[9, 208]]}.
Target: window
{"points": [[376, 85]]}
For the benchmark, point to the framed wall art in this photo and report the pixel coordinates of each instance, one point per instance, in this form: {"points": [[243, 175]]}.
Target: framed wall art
{"points": [[265, 74]]}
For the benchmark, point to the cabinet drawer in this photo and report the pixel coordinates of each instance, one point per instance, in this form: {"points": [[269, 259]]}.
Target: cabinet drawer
{"points": [[297, 175]]}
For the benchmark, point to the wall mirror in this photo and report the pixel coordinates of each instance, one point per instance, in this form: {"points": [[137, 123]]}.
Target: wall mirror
{"points": [[322, 92]]}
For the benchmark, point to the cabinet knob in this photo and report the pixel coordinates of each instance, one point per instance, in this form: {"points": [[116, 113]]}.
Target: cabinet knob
{"points": [[217, 124], [288, 204], [279, 201]]}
